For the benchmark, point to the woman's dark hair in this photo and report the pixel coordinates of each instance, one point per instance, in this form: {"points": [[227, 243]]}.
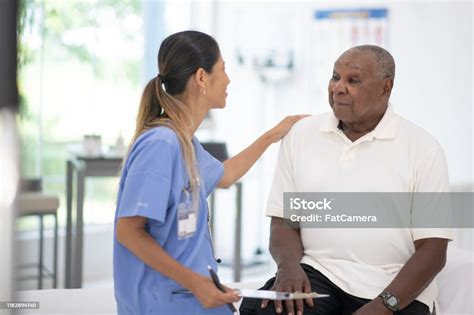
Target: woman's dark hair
{"points": [[179, 57]]}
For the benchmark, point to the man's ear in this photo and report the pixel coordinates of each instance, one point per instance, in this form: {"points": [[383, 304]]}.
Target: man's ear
{"points": [[387, 87]]}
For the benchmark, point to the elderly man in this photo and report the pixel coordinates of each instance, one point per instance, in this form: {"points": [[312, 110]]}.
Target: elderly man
{"points": [[361, 146]]}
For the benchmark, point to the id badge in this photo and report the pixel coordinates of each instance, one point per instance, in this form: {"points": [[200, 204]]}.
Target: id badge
{"points": [[187, 216]]}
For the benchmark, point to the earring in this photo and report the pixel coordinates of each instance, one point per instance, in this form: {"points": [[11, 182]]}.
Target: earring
{"points": [[204, 92]]}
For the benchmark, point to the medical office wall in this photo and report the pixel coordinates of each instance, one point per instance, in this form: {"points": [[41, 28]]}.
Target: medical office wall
{"points": [[274, 59]]}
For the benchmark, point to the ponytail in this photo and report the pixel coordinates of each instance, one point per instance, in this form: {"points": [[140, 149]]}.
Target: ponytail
{"points": [[158, 108]]}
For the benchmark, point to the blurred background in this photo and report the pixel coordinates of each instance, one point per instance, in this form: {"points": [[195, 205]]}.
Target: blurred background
{"points": [[83, 65]]}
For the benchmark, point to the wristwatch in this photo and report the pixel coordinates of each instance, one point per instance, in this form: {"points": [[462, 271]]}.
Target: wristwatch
{"points": [[391, 301]]}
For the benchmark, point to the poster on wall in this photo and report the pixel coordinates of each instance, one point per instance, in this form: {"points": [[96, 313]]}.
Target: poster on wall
{"points": [[336, 30]]}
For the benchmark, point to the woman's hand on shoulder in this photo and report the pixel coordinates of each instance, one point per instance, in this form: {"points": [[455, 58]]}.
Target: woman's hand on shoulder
{"points": [[282, 128]]}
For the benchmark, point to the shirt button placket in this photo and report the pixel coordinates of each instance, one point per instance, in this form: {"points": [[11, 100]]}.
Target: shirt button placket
{"points": [[347, 156]]}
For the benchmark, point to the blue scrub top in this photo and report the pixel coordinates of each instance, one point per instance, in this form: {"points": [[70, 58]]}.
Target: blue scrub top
{"points": [[151, 186]]}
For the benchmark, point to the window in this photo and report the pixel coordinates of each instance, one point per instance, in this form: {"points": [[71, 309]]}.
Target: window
{"points": [[80, 74]]}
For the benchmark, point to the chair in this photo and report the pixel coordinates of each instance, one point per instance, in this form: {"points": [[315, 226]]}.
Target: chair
{"points": [[32, 202]]}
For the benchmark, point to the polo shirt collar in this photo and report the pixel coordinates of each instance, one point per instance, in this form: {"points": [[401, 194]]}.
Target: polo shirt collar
{"points": [[386, 129]]}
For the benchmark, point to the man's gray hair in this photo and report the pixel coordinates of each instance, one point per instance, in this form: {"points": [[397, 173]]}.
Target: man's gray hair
{"points": [[384, 61]]}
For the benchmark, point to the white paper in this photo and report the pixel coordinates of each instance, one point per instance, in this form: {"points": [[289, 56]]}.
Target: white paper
{"points": [[273, 295]]}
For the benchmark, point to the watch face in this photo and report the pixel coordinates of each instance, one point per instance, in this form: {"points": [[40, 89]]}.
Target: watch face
{"points": [[392, 301]]}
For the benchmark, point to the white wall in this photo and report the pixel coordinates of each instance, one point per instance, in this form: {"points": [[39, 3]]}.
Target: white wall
{"points": [[432, 46], [434, 83]]}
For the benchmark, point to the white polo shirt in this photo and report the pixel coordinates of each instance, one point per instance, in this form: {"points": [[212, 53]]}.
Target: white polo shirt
{"points": [[397, 156]]}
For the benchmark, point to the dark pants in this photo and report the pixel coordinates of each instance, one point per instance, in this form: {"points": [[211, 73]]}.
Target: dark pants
{"points": [[339, 302]]}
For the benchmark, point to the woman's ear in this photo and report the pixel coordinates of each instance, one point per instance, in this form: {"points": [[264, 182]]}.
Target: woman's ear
{"points": [[201, 78]]}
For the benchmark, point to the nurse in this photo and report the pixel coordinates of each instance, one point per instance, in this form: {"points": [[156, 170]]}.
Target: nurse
{"points": [[162, 245]]}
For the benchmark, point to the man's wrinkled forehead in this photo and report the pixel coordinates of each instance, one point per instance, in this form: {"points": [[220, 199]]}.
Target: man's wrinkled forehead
{"points": [[354, 60]]}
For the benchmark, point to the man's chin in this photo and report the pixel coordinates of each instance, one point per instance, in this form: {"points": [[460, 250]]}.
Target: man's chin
{"points": [[342, 112]]}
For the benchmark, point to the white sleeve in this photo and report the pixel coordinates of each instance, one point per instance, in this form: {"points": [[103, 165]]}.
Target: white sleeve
{"points": [[283, 178], [432, 177]]}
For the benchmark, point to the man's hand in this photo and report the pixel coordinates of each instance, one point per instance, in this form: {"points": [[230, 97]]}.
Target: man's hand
{"points": [[291, 279], [374, 307]]}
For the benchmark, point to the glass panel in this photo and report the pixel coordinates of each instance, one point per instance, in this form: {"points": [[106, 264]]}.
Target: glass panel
{"points": [[79, 74]]}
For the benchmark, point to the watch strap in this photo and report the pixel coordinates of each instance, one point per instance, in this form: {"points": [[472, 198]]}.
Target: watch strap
{"points": [[388, 299]]}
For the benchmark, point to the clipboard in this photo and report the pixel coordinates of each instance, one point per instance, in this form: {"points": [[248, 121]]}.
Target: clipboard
{"points": [[273, 295]]}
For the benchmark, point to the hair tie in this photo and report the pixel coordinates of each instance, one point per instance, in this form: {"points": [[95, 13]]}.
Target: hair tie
{"points": [[161, 81], [161, 77]]}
